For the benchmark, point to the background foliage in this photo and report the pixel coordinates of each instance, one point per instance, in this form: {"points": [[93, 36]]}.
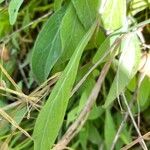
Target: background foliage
{"points": [[54, 56]]}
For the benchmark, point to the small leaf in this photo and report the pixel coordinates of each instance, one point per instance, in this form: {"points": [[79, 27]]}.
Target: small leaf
{"points": [[96, 112], [13, 10], [94, 135], [113, 14], [127, 66], [57, 4], [52, 114], [109, 130], [87, 11], [47, 48]]}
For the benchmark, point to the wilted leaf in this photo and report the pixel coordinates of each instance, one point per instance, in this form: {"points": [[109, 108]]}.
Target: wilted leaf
{"points": [[13, 10], [52, 114], [144, 66], [127, 66], [4, 53]]}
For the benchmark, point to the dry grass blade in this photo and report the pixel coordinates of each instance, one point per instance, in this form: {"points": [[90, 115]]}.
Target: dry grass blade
{"points": [[79, 122], [9, 78], [55, 76], [142, 142], [108, 51], [9, 119], [22, 95], [145, 136]]}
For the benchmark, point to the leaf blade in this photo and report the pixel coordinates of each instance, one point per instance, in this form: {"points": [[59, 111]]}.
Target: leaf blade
{"points": [[113, 14], [48, 120], [13, 10], [127, 67], [47, 48], [87, 11]]}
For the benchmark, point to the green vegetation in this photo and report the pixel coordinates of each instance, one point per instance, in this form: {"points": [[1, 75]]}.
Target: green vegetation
{"points": [[74, 74]]}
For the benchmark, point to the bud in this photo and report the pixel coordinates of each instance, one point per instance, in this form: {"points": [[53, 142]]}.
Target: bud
{"points": [[4, 53]]}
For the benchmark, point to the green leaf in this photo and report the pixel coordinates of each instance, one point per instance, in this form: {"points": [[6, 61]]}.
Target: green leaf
{"points": [[88, 85], [57, 4], [4, 24], [13, 10], [127, 66], [94, 135], [83, 136], [48, 47], [1, 1], [18, 114], [144, 92], [51, 116], [72, 32], [102, 50], [87, 11], [113, 14], [138, 5], [109, 130], [96, 112]]}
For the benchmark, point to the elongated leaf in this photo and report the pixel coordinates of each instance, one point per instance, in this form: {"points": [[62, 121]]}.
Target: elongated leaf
{"points": [[52, 114], [72, 32], [87, 11], [47, 48], [144, 92], [113, 14], [13, 10], [18, 114], [127, 66], [109, 130], [72, 115]]}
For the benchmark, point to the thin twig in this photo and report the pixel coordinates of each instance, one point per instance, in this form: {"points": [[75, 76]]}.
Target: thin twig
{"points": [[119, 131], [134, 123], [8, 118], [134, 98], [110, 49], [26, 26], [22, 95], [9, 78], [80, 121], [145, 136]]}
